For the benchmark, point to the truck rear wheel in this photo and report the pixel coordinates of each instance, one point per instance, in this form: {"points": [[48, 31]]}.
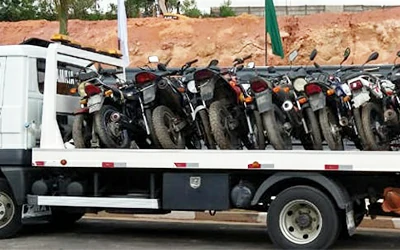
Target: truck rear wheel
{"points": [[10, 212], [302, 217]]}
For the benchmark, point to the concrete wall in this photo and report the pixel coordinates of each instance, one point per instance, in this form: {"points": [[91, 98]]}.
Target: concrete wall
{"points": [[301, 10]]}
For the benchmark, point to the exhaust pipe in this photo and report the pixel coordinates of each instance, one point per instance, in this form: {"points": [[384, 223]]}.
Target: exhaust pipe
{"points": [[344, 122], [287, 106], [116, 116], [391, 117]]}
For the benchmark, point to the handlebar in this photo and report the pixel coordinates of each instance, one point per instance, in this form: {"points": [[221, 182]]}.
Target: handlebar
{"points": [[241, 60]]}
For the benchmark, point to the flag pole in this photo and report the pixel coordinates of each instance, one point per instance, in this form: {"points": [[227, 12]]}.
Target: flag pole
{"points": [[266, 34]]}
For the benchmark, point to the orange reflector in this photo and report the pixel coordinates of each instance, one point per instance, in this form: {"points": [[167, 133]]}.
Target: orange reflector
{"points": [[63, 162], [254, 165], [276, 89], [248, 99], [286, 89], [108, 93], [302, 100], [330, 92], [181, 89], [73, 91], [346, 98]]}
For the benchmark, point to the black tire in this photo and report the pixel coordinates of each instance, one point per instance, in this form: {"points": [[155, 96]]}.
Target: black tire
{"points": [[273, 121], [225, 139], [62, 218], [321, 212], [10, 212], [327, 120], [376, 141], [161, 116], [81, 131], [101, 124], [258, 129], [206, 129], [312, 141], [149, 117], [360, 129]]}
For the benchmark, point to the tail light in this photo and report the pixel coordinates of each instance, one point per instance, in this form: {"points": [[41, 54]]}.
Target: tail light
{"points": [[203, 75], [92, 90], [145, 77], [258, 86], [356, 85], [312, 89]]}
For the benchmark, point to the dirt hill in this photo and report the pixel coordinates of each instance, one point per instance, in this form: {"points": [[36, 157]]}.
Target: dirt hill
{"points": [[226, 38]]}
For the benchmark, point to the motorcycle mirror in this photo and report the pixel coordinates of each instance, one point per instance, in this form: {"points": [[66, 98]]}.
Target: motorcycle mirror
{"points": [[251, 65], [167, 62], [293, 55], [372, 57], [240, 67], [313, 54], [153, 59], [214, 62], [161, 67], [346, 55], [398, 53]]}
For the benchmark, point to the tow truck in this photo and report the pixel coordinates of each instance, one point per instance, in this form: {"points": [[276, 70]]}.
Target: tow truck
{"points": [[312, 198]]}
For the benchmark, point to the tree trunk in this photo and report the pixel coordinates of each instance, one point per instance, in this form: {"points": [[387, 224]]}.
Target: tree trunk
{"points": [[63, 16]]}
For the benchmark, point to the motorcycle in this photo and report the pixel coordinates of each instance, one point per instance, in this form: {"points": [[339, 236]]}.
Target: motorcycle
{"points": [[298, 108], [92, 127], [367, 99], [166, 102], [222, 94]]}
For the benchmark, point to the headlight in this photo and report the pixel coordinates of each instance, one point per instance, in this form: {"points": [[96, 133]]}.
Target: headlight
{"points": [[299, 84], [81, 89], [192, 87]]}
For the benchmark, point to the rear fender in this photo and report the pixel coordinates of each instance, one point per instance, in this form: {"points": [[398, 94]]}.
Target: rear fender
{"points": [[81, 111]]}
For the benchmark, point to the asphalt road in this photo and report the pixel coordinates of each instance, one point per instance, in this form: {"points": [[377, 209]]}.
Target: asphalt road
{"points": [[112, 234]]}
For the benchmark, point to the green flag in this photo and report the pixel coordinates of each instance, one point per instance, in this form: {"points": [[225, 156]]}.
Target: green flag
{"points": [[271, 25]]}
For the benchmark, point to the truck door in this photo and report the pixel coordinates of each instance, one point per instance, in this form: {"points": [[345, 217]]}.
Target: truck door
{"points": [[2, 79]]}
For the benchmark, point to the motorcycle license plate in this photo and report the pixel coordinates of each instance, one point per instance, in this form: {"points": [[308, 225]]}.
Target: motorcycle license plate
{"points": [[149, 94], [317, 101], [360, 97], [207, 90], [95, 102], [264, 101]]}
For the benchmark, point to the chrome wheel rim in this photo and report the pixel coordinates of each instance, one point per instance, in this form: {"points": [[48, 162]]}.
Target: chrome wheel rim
{"points": [[300, 222], [7, 209]]}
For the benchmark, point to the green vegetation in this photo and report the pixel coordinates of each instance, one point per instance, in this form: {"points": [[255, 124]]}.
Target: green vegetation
{"points": [[225, 9]]}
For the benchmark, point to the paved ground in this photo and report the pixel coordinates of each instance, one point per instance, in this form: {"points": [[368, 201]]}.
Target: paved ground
{"points": [[113, 234]]}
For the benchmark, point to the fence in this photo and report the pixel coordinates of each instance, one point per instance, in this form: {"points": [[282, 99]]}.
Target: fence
{"points": [[302, 10]]}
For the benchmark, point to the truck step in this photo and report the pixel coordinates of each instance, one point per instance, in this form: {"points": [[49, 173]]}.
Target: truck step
{"points": [[101, 202]]}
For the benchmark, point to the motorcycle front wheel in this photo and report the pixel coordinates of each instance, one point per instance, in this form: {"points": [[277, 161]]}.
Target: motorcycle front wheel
{"points": [[110, 133], [219, 121], [373, 122], [82, 130]]}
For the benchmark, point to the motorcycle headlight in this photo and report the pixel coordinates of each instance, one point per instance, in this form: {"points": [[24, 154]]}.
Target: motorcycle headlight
{"points": [[81, 89], [299, 84], [192, 87]]}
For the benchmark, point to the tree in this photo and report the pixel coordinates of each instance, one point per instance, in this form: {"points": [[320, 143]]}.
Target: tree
{"points": [[16, 10], [225, 9], [189, 8]]}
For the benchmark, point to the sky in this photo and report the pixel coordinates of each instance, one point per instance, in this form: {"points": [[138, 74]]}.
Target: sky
{"points": [[204, 5]]}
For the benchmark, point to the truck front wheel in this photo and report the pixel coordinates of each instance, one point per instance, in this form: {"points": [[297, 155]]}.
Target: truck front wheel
{"points": [[302, 217], [10, 212]]}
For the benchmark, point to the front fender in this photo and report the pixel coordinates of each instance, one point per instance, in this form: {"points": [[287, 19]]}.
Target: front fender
{"points": [[196, 110]]}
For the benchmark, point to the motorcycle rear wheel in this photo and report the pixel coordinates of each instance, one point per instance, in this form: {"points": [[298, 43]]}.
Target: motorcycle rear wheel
{"points": [[313, 140], [206, 127], [103, 126], [163, 119], [273, 123], [329, 127], [372, 116], [258, 130], [225, 138]]}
